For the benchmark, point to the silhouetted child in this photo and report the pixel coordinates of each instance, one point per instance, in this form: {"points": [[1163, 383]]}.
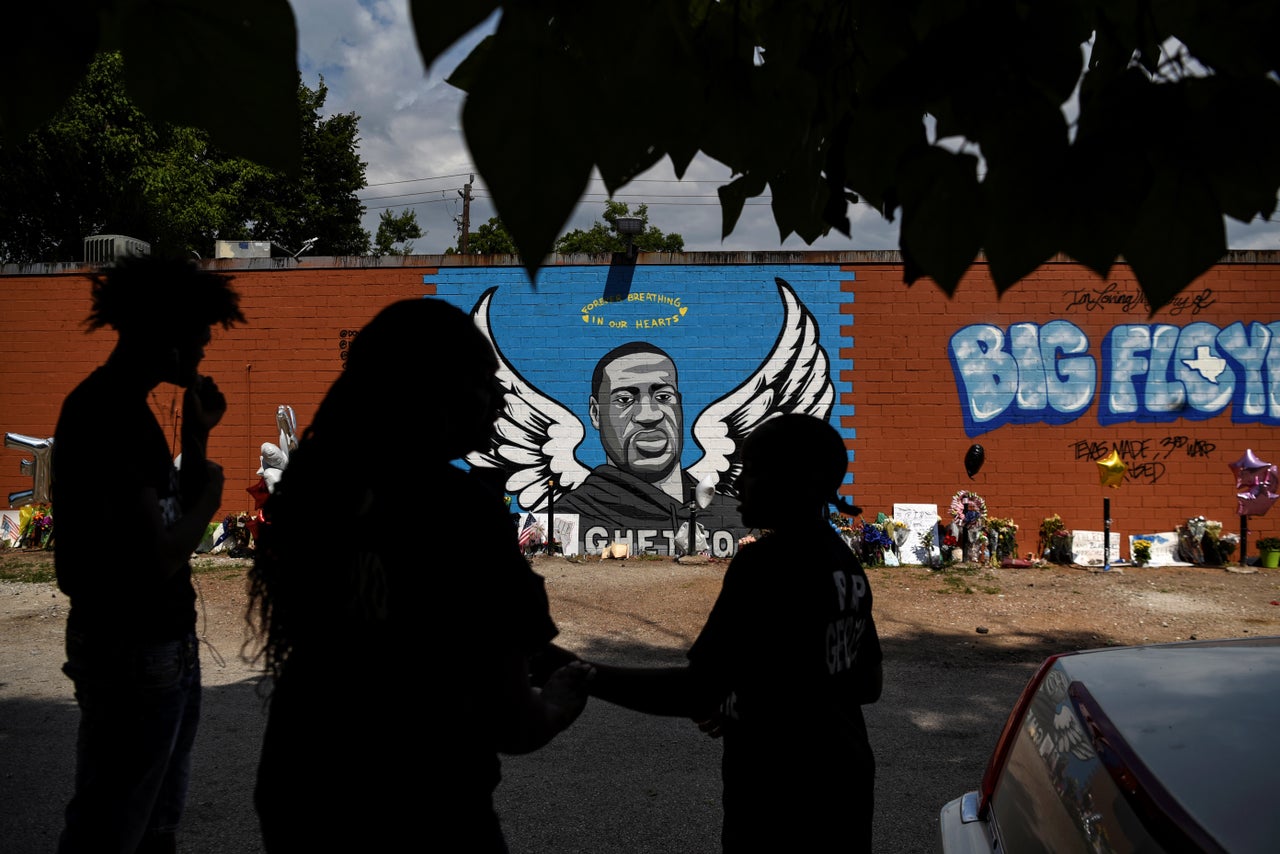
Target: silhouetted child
{"points": [[131, 644], [399, 672], [787, 658]]}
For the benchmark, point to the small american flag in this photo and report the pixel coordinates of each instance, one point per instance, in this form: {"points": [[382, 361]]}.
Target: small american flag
{"points": [[9, 528], [529, 530]]}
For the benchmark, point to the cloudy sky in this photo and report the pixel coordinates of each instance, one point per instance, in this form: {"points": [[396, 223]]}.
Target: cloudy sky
{"points": [[411, 139]]}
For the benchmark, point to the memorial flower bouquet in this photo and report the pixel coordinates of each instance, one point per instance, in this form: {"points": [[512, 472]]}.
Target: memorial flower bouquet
{"points": [[849, 530], [35, 523], [1141, 551], [968, 509], [874, 542], [843, 524], [950, 548], [1005, 535], [1201, 541], [1055, 540], [939, 553], [969, 519], [926, 540], [235, 528], [895, 530]]}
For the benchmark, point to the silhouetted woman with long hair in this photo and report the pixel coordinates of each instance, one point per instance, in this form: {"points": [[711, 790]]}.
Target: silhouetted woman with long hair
{"points": [[398, 670]]}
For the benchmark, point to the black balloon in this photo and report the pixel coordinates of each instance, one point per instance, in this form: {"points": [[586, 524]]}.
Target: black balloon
{"points": [[974, 459]]}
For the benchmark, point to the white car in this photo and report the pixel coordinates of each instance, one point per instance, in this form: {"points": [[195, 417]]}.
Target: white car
{"points": [[1167, 747]]}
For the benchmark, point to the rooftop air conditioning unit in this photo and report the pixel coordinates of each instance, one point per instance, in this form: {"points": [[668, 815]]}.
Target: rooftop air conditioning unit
{"points": [[242, 249], [108, 248]]}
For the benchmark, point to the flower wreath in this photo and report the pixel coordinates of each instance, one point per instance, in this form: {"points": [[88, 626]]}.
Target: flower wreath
{"points": [[959, 502]]}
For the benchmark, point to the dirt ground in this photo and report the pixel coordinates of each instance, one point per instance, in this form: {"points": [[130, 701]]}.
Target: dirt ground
{"points": [[661, 603], [995, 607], [958, 643]]}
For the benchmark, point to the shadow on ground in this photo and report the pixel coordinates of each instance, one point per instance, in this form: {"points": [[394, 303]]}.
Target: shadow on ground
{"points": [[616, 782], [37, 755]]}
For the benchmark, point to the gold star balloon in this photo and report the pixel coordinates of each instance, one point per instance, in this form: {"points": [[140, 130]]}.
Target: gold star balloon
{"points": [[1111, 470]]}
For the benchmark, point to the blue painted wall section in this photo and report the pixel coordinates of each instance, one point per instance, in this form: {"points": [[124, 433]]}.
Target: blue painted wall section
{"points": [[745, 342], [1045, 373]]}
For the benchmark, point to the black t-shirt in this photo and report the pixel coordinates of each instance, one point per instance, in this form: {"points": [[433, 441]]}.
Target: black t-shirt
{"points": [[461, 589], [792, 642], [108, 451], [387, 719]]}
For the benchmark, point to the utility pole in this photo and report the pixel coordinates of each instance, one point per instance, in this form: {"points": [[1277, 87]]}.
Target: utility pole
{"points": [[465, 192]]}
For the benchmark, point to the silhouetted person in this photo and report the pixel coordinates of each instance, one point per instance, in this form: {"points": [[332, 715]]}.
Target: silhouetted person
{"points": [[381, 558], [128, 521], [787, 658]]}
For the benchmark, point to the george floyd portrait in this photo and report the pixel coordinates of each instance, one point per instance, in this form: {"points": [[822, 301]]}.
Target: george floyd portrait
{"points": [[642, 493], [644, 490]]}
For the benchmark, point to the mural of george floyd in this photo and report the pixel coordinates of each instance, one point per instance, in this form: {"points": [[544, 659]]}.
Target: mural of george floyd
{"points": [[628, 385]]}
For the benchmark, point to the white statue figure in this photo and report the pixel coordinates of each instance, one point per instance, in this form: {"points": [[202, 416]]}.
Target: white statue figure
{"points": [[276, 457]]}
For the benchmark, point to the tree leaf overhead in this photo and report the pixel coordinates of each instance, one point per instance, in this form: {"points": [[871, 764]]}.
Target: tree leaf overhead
{"points": [[185, 59], [437, 25], [39, 74], [537, 165], [1015, 129], [101, 165]]}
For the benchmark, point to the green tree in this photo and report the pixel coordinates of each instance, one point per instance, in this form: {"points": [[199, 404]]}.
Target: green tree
{"points": [[100, 166], [182, 59], [399, 228], [47, 197], [320, 200], [819, 102], [603, 235], [491, 238]]}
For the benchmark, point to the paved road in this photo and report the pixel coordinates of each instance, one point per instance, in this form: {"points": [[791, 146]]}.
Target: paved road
{"points": [[616, 782], [623, 783]]}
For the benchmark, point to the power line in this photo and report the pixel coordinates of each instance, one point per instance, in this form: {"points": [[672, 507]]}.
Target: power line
{"points": [[418, 193], [482, 194], [749, 203], [599, 180], [446, 194], [644, 199], [415, 180]]}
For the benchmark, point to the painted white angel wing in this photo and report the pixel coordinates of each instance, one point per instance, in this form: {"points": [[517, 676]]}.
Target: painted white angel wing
{"points": [[534, 438], [794, 377]]}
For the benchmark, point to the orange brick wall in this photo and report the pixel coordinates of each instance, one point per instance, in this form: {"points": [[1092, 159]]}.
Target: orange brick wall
{"points": [[288, 353], [909, 436]]}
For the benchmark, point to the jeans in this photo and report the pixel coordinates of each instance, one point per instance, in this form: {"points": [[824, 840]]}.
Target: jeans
{"points": [[139, 709]]}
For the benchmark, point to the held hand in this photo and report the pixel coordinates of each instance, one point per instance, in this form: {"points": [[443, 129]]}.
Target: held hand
{"points": [[550, 658], [713, 726], [566, 691], [203, 405]]}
